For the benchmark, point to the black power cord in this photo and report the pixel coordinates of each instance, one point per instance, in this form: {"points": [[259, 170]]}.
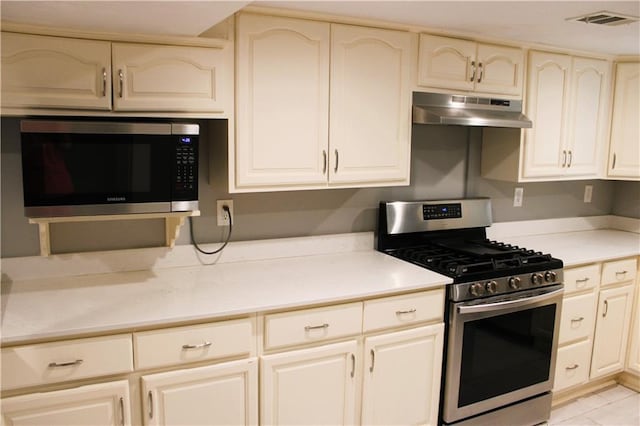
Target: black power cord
{"points": [[193, 240]]}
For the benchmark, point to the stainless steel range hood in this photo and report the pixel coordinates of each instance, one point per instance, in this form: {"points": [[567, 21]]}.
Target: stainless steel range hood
{"points": [[462, 110]]}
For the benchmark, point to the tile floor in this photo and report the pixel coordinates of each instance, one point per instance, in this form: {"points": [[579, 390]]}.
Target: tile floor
{"points": [[616, 406]]}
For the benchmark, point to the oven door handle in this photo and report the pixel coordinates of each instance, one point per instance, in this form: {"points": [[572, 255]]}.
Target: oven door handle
{"points": [[490, 307]]}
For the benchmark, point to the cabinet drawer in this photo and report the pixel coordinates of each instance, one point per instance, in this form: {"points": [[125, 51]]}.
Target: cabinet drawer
{"points": [[572, 365], [403, 310], [67, 360], [312, 325], [581, 278], [619, 271], [578, 315], [194, 343]]}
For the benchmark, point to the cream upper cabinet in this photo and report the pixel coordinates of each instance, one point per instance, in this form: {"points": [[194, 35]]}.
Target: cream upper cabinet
{"points": [[624, 149], [456, 64], [401, 382], [149, 77], [369, 138], [55, 72], [319, 105]]}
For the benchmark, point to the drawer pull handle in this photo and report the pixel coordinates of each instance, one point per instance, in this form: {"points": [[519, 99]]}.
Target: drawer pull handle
{"points": [[582, 280], [200, 346], [353, 365], [577, 319], [621, 273], [573, 367], [410, 311], [373, 361], [316, 327], [150, 400], [65, 364]]}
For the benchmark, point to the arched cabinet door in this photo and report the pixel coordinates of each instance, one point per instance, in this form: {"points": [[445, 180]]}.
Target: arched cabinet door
{"points": [[624, 150], [500, 69], [446, 62]]}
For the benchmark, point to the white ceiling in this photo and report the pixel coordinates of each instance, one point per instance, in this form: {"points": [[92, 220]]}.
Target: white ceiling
{"points": [[542, 22]]}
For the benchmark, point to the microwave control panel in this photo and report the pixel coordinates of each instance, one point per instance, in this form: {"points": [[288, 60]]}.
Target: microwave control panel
{"points": [[186, 165]]}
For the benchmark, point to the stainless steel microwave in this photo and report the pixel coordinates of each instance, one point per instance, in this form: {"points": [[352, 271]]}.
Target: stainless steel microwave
{"points": [[77, 168]]}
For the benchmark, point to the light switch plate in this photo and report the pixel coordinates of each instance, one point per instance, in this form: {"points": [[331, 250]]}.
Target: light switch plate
{"points": [[588, 193], [518, 195]]}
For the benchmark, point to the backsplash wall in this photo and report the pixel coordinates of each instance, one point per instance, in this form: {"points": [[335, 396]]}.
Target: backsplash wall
{"points": [[445, 164]]}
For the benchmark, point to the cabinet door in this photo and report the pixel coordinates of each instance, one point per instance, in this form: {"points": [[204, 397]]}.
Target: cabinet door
{"points": [[222, 394], [309, 386], [282, 98], [586, 134], [446, 62], [370, 105], [612, 329], [546, 106], [402, 377], [624, 150], [102, 404], [55, 72], [172, 78], [500, 69], [633, 360]]}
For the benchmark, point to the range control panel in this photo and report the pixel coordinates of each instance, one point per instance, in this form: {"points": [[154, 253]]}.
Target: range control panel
{"points": [[441, 211]]}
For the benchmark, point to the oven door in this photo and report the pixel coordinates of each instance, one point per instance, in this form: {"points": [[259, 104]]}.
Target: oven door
{"points": [[500, 350]]}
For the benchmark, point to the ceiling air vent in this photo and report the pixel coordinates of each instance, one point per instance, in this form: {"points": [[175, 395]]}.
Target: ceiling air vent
{"points": [[605, 18]]}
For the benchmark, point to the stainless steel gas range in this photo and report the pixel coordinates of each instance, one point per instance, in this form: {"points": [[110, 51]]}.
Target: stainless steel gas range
{"points": [[502, 311]]}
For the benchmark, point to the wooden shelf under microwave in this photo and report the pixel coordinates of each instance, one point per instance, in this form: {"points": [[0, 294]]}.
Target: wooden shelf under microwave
{"points": [[173, 223]]}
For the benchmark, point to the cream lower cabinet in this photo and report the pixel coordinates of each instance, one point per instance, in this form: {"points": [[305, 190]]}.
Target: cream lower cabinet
{"points": [[105, 404], [401, 378], [633, 356], [319, 105], [221, 394]]}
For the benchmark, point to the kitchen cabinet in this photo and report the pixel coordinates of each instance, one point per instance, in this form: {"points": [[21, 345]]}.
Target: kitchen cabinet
{"points": [[221, 394], [315, 385], [568, 102], [401, 383], [633, 356], [319, 105], [104, 404], [624, 149], [46, 72], [456, 64]]}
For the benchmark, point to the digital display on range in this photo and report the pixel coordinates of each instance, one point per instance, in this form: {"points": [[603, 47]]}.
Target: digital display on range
{"points": [[441, 211]]}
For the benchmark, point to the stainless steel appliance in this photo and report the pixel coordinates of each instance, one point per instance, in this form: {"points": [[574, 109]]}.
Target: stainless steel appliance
{"points": [[73, 168], [502, 312]]}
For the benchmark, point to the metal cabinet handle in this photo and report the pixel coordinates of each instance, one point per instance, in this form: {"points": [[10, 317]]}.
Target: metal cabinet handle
{"points": [[353, 365], [577, 319], [65, 364], [606, 308], [481, 72], [613, 165], [373, 361], [621, 273], [324, 167], [335, 169], [201, 345], [573, 367], [316, 327], [121, 411], [121, 79], [582, 280], [570, 158], [150, 401], [473, 71], [410, 311], [104, 82], [564, 158]]}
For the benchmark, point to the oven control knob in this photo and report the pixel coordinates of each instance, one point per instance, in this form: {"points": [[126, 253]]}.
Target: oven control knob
{"points": [[550, 276], [491, 287], [476, 289], [514, 283], [536, 279]]}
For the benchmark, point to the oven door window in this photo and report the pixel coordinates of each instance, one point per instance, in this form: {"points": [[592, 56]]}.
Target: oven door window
{"points": [[505, 353], [66, 169]]}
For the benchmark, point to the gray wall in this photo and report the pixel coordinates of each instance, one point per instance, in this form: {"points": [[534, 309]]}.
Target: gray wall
{"points": [[445, 164]]}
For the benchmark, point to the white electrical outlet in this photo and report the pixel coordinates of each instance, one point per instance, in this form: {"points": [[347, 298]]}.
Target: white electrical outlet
{"points": [[223, 217], [518, 195], [588, 193]]}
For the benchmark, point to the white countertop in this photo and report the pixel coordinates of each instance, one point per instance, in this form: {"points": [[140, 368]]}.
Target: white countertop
{"points": [[42, 309]]}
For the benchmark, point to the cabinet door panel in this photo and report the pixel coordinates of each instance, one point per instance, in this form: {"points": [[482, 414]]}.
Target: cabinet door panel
{"points": [[501, 69], [310, 386], [402, 377], [171, 78], [104, 404], [446, 62], [55, 72], [222, 394], [282, 100], [624, 151], [546, 106], [370, 105]]}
